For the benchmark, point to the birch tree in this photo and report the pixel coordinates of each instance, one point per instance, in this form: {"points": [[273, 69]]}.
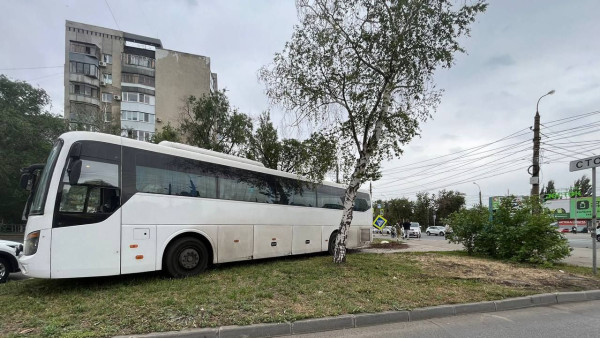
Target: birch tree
{"points": [[364, 69]]}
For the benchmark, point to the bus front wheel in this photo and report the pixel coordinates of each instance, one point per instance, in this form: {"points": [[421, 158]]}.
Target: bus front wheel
{"points": [[332, 240], [186, 256]]}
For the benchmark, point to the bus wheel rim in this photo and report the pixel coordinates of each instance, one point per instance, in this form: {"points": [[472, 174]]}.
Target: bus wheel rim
{"points": [[189, 258]]}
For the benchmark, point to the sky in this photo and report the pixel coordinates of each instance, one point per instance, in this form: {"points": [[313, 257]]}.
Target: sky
{"points": [[517, 52]]}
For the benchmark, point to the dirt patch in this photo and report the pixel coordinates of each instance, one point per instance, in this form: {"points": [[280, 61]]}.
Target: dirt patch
{"points": [[389, 245], [504, 273]]}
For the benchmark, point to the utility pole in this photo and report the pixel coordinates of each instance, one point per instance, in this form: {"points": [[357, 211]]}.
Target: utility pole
{"points": [[535, 167]]}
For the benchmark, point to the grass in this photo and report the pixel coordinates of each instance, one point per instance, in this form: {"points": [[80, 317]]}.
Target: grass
{"points": [[265, 291]]}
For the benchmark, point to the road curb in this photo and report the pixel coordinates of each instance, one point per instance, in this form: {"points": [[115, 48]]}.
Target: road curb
{"points": [[370, 319]]}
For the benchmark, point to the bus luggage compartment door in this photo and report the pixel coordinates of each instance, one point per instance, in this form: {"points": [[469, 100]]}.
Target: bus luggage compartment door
{"points": [[138, 248]]}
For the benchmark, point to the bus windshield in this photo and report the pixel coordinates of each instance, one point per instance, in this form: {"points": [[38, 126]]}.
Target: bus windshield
{"points": [[39, 197]]}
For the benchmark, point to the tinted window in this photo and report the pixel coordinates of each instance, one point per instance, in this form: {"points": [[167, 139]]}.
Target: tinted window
{"points": [[150, 172]]}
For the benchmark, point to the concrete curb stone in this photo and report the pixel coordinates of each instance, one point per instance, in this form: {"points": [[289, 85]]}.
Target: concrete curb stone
{"points": [[462, 309], [323, 324], [544, 299], [192, 333], [256, 330], [564, 297], [369, 319], [593, 294], [432, 312], [513, 303]]}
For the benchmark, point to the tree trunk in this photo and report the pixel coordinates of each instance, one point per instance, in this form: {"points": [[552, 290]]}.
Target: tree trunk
{"points": [[339, 253]]}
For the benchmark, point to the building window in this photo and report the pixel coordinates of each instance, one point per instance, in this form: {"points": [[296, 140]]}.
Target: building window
{"points": [[107, 97], [128, 115], [137, 79], [107, 58], [83, 89], [107, 78], [138, 60], [138, 97], [83, 48], [83, 68], [139, 135]]}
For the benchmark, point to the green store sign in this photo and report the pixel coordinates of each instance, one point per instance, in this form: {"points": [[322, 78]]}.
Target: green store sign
{"points": [[582, 207]]}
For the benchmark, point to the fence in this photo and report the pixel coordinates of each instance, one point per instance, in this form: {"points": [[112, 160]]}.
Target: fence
{"points": [[12, 228]]}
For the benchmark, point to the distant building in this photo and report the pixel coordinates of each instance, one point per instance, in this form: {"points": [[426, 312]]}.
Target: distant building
{"points": [[118, 77]]}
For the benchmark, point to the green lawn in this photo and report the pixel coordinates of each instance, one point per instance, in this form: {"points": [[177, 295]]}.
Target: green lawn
{"points": [[279, 290]]}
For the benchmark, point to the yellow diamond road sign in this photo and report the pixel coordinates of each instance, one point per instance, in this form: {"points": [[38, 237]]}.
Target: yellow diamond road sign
{"points": [[379, 222]]}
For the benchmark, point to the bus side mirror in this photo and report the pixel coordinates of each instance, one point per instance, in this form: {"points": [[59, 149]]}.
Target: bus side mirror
{"points": [[24, 183], [74, 172]]}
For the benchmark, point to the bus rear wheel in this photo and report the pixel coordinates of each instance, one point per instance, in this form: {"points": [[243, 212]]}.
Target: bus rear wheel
{"points": [[186, 256]]}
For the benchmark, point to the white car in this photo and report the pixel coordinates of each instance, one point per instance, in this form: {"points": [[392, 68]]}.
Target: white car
{"points": [[8, 259], [415, 230], [435, 230]]}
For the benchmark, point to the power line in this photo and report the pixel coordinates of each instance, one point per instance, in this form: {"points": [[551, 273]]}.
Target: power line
{"points": [[111, 13]]}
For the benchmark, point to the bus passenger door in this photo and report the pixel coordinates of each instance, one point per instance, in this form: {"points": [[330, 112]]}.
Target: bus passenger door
{"points": [[86, 233]]}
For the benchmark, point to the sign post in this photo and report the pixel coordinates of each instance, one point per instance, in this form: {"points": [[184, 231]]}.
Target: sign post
{"points": [[586, 163]]}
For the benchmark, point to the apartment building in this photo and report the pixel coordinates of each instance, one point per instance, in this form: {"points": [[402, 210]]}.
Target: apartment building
{"points": [[128, 80]]}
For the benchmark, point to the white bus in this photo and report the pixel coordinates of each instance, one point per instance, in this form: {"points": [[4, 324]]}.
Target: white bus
{"points": [[106, 205]]}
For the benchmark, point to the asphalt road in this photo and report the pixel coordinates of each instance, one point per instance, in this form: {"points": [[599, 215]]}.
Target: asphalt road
{"points": [[564, 320], [581, 241]]}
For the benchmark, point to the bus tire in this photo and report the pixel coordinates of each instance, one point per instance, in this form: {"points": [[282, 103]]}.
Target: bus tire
{"points": [[185, 257], [332, 240]]}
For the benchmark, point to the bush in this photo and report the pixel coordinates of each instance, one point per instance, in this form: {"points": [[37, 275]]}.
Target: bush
{"points": [[467, 225], [514, 233]]}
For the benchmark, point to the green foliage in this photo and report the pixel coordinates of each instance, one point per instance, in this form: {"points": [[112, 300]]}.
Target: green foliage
{"points": [[583, 185], [514, 233], [311, 158], [467, 225], [397, 210], [168, 133], [211, 123], [264, 144], [86, 117], [27, 133], [364, 69], [447, 202], [423, 208]]}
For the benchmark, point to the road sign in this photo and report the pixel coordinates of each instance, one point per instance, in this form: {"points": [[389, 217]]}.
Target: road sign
{"points": [[586, 163], [379, 222]]}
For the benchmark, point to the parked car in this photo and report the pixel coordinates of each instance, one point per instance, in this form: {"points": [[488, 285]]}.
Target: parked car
{"points": [[386, 230], [8, 259], [415, 230], [435, 230]]}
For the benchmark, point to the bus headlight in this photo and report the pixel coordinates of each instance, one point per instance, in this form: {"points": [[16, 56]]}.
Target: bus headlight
{"points": [[31, 243]]}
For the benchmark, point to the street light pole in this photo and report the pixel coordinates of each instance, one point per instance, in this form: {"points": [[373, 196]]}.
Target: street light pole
{"points": [[535, 167], [480, 204]]}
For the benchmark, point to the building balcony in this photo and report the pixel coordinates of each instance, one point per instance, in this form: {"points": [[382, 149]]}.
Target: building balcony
{"points": [[84, 99], [84, 79]]}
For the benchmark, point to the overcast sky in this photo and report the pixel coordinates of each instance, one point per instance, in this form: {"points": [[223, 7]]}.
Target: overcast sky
{"points": [[518, 51]]}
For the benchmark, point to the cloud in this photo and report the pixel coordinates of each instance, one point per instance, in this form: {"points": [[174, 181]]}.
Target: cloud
{"points": [[500, 61]]}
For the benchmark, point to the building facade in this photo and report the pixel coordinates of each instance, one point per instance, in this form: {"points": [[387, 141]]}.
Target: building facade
{"points": [[116, 80]]}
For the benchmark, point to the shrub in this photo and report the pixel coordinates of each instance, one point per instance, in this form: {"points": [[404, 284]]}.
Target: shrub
{"points": [[513, 233], [467, 225]]}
